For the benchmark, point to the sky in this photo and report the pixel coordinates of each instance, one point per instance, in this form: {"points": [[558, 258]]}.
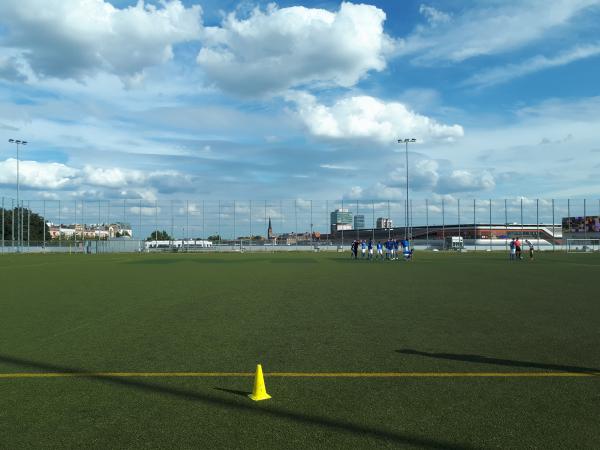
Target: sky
{"points": [[192, 99]]}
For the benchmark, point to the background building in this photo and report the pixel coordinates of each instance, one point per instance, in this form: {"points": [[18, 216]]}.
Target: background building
{"points": [[359, 222], [384, 222], [341, 219]]}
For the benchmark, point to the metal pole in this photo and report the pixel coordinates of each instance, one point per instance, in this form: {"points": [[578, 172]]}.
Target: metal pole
{"points": [[44, 225], [458, 206], [443, 226], [141, 237], [75, 229], [569, 213], [296, 219], [475, 224], [29, 222], [584, 221], [219, 226], [328, 220], [390, 224], [234, 233], [12, 223], [522, 225], [506, 225], [156, 224], [537, 220], [18, 204], [406, 223], [2, 224], [342, 226], [410, 222], [490, 224], [22, 223], [59, 227], [172, 227], [357, 232], [427, 221], [311, 224], [187, 222], [203, 229], [250, 223], [553, 229], [373, 222]]}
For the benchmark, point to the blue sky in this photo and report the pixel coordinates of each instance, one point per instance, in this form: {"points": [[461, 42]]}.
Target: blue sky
{"points": [[300, 100]]}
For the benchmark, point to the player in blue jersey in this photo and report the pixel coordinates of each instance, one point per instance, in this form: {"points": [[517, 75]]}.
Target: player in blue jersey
{"points": [[395, 248], [363, 248], [380, 250], [370, 247]]}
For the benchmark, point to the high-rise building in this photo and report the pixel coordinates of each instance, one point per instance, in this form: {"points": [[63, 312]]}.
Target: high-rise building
{"points": [[384, 222], [359, 222], [341, 219]]}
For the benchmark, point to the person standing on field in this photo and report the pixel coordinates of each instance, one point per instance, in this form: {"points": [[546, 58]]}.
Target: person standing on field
{"points": [[513, 250], [530, 249], [518, 248]]}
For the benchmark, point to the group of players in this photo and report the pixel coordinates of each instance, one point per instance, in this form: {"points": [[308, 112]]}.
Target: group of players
{"points": [[515, 249], [394, 249]]}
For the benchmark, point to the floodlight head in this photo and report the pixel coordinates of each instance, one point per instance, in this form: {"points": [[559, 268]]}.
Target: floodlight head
{"points": [[11, 140], [413, 140], [23, 142]]}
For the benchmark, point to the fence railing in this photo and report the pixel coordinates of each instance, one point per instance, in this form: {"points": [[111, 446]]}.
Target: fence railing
{"points": [[294, 223]]}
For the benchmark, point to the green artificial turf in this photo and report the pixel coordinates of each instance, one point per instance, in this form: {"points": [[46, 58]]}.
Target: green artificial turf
{"points": [[299, 313]]}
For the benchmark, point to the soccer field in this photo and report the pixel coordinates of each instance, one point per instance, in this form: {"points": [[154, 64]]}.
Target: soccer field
{"points": [[447, 351]]}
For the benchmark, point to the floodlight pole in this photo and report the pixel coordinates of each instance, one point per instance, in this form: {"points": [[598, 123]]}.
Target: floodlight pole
{"points": [[17, 142], [406, 217]]}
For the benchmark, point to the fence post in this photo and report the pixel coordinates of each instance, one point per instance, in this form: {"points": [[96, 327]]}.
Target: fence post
{"points": [[475, 224], [250, 224], [427, 222], [443, 226], [522, 225], [553, 228], [505, 226], [172, 227], [373, 222], [537, 221], [141, 237], [390, 219], [156, 224], [584, 221], [44, 226], [490, 225], [12, 224], [311, 224], [458, 206], [328, 221], [2, 224]]}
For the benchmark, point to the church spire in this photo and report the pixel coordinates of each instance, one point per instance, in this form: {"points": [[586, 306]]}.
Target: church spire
{"points": [[270, 230]]}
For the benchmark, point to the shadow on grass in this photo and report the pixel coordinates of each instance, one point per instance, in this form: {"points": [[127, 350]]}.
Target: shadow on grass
{"points": [[501, 362], [233, 391], [264, 409]]}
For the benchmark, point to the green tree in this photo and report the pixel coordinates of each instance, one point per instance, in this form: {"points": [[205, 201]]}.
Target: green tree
{"points": [[33, 224], [157, 235]]}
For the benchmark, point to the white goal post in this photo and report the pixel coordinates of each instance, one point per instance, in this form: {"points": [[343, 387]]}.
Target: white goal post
{"points": [[583, 245]]}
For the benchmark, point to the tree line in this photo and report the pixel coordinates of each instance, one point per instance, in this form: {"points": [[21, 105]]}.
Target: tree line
{"points": [[33, 225]]}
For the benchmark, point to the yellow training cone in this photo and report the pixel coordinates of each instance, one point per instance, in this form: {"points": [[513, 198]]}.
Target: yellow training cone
{"points": [[259, 392]]}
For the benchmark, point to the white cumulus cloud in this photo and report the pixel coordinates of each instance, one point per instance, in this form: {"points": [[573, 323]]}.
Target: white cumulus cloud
{"points": [[77, 38], [278, 48], [370, 119], [37, 175]]}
